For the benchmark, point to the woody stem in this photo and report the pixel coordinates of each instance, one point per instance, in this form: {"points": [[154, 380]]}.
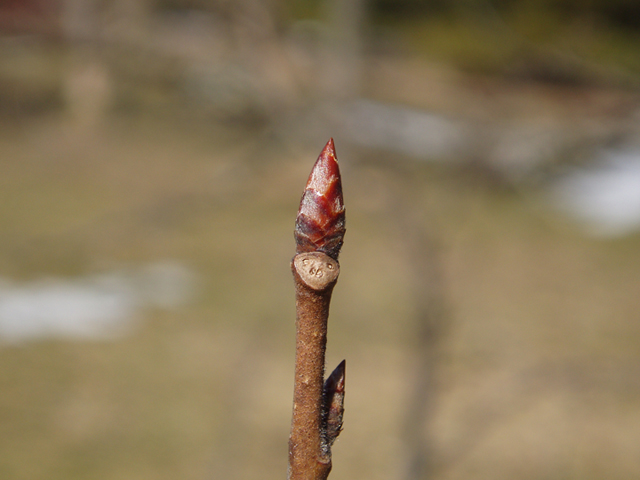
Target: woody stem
{"points": [[315, 274]]}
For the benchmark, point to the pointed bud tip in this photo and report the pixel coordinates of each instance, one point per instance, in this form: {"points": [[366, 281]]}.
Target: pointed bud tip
{"points": [[329, 148], [335, 381], [325, 171]]}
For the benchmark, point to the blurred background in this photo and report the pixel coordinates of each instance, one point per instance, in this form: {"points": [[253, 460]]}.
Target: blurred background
{"points": [[152, 158]]}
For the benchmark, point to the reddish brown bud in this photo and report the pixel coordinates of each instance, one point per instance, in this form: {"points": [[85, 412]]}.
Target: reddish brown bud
{"points": [[320, 224], [333, 410]]}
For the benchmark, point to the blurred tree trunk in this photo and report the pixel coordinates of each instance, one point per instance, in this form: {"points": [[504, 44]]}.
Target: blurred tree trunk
{"points": [[424, 258], [343, 73], [419, 242], [131, 18], [79, 20]]}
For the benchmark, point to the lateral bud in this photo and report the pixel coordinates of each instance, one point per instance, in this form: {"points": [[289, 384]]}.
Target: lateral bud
{"points": [[333, 405]]}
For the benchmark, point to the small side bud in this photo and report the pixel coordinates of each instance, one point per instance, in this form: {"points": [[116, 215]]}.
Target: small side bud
{"points": [[333, 410]]}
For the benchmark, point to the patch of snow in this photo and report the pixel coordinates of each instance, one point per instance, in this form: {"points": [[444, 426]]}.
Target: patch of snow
{"points": [[411, 131], [606, 197], [105, 306]]}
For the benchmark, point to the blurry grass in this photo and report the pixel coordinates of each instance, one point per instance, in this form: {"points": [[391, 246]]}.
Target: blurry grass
{"points": [[540, 363], [30, 76], [492, 42]]}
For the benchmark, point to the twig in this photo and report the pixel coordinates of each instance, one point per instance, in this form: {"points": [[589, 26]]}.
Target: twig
{"points": [[317, 407]]}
